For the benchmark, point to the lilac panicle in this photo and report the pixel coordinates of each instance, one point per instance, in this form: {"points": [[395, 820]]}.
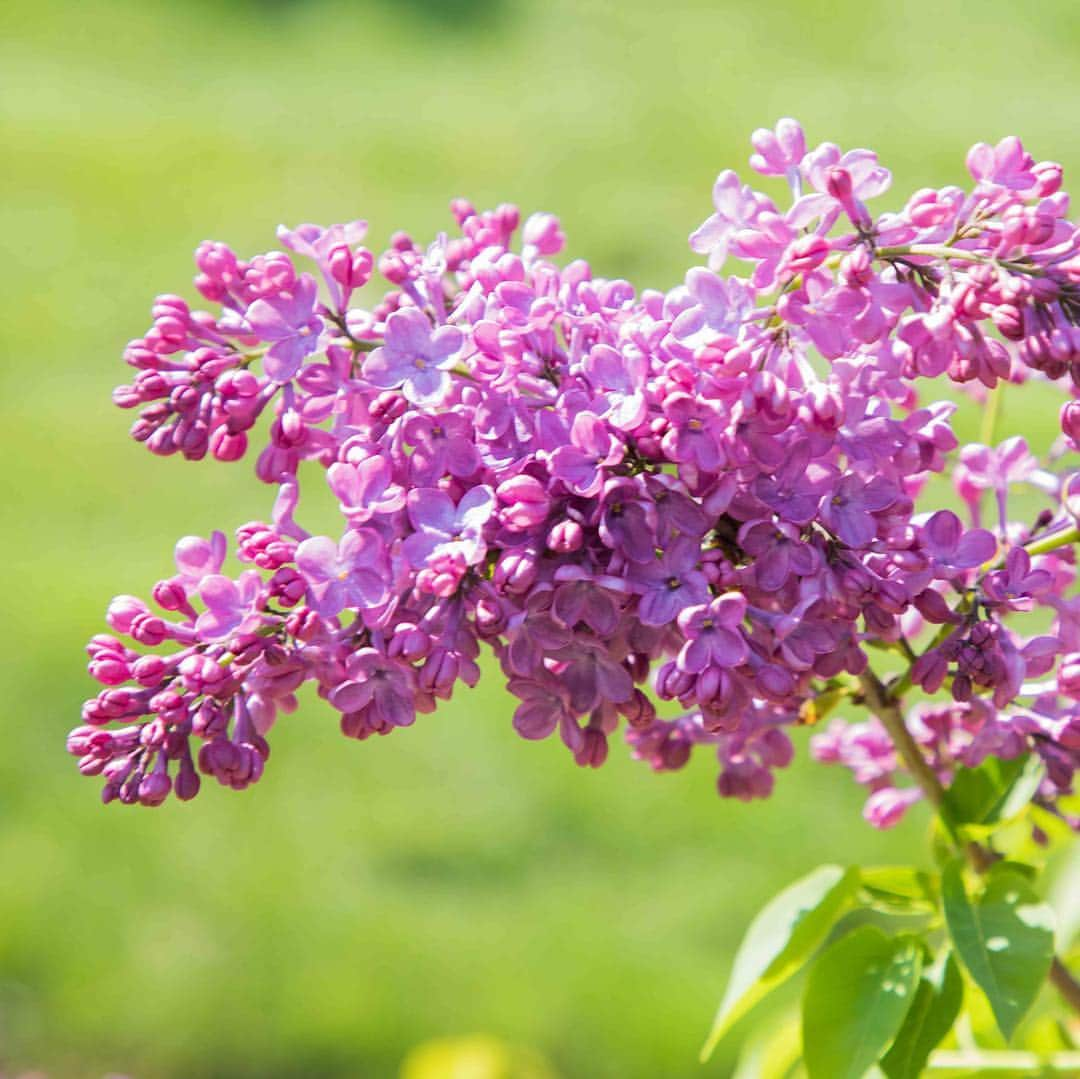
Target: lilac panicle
{"points": [[716, 495]]}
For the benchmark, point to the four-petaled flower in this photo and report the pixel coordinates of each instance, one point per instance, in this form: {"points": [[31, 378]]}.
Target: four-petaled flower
{"points": [[442, 528], [670, 583], [289, 322], [415, 357], [231, 606], [713, 635], [352, 573], [954, 550]]}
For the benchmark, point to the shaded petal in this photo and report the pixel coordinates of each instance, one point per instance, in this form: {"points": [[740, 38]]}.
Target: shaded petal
{"points": [[475, 508], [943, 531], [408, 331], [728, 647], [283, 359], [218, 592], [267, 321], [446, 343], [432, 510], [975, 548], [359, 547], [317, 558], [352, 696], [385, 369]]}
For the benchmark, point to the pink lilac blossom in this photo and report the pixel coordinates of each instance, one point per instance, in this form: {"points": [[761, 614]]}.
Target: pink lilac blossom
{"points": [[715, 496]]}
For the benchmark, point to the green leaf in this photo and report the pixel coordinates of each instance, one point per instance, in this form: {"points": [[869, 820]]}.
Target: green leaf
{"points": [[1023, 788], [857, 995], [978, 795], [771, 1052], [938, 997], [899, 886], [780, 940], [1004, 936]]}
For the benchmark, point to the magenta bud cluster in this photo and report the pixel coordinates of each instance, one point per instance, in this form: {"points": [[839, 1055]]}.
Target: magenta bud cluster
{"points": [[690, 514]]}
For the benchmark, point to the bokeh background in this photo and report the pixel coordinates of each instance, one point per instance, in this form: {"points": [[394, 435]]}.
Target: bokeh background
{"points": [[452, 881]]}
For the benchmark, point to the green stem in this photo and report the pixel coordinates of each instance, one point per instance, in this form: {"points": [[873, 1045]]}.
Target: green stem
{"points": [[1061, 978], [990, 416], [939, 251], [944, 251], [881, 701], [1054, 541]]}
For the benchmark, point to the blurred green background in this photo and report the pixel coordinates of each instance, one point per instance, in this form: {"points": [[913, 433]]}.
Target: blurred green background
{"points": [[453, 879]]}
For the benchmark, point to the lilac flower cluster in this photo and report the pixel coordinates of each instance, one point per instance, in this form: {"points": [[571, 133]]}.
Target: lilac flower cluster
{"points": [[709, 502]]}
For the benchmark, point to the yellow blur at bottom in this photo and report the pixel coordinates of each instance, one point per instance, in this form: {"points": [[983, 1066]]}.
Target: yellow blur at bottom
{"points": [[474, 1056]]}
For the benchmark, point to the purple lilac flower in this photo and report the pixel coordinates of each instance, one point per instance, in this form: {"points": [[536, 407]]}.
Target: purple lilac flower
{"points": [[440, 525], [289, 322], [692, 436], [620, 376], [230, 605], [376, 684], [778, 552], [443, 446], [1017, 585], [352, 573], [954, 550], [365, 488], [736, 205], [415, 357], [725, 494], [850, 510], [713, 634], [593, 448], [670, 583]]}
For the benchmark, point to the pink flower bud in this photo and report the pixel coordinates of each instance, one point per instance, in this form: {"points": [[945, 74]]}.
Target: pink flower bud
{"points": [[565, 537], [1047, 178], [123, 611], [594, 749], [524, 503], [228, 447], [1070, 422], [515, 571], [170, 595], [544, 233], [838, 183], [886, 807], [351, 269], [393, 267], [805, 254]]}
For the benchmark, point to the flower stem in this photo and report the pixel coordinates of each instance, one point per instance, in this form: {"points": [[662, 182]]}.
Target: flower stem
{"points": [[882, 703], [1053, 541], [1062, 979], [944, 251], [990, 416]]}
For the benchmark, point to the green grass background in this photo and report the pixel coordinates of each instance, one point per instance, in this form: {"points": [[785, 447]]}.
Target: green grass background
{"points": [[451, 879]]}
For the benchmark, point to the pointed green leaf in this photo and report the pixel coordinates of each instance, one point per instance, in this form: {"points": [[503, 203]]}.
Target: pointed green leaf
{"points": [[938, 997], [1022, 789], [898, 886], [978, 795], [1004, 936], [780, 940], [771, 1052], [857, 995]]}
